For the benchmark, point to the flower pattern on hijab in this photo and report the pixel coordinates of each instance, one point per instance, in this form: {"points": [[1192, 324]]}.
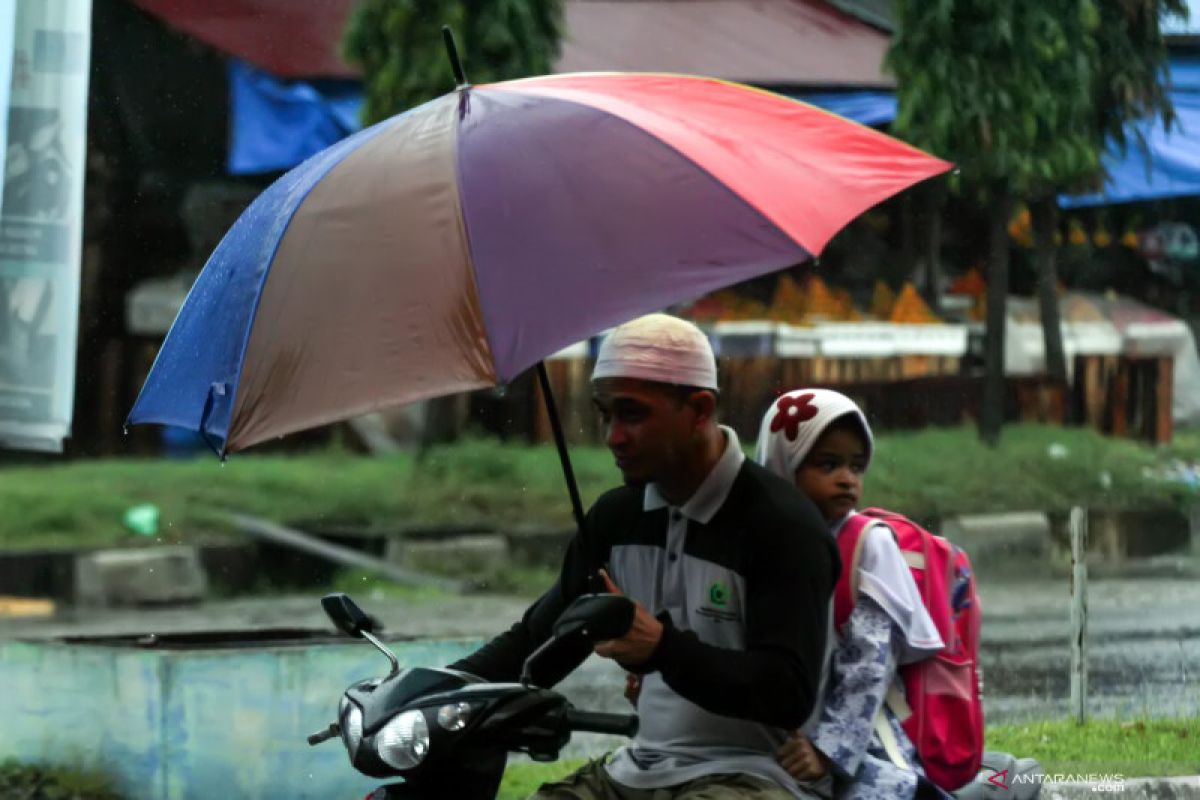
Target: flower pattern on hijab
{"points": [[792, 411]]}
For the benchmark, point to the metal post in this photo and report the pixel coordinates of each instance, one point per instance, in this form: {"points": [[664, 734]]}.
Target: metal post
{"points": [[1079, 644]]}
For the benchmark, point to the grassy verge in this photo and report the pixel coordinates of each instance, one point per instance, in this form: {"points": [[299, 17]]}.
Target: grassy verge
{"points": [[925, 474], [1155, 748], [44, 782], [522, 780], [1151, 748]]}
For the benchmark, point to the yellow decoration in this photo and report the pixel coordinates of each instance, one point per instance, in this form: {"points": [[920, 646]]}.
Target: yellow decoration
{"points": [[1130, 239], [1020, 228], [910, 308], [1102, 238], [788, 303], [726, 306], [970, 282], [1076, 235], [882, 300]]}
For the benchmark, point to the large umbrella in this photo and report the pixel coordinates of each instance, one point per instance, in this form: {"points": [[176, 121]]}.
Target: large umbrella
{"points": [[455, 245]]}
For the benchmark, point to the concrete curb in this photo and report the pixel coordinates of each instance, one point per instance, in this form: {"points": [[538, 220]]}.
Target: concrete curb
{"points": [[1185, 788]]}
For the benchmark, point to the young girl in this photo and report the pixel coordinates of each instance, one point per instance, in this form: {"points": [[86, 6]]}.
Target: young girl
{"points": [[821, 440]]}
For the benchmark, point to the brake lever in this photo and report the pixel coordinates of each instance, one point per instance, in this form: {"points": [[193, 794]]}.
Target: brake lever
{"points": [[317, 738]]}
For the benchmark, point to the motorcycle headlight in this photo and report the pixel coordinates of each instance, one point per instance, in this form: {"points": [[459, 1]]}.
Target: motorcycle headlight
{"points": [[404, 742], [352, 729], [454, 716]]}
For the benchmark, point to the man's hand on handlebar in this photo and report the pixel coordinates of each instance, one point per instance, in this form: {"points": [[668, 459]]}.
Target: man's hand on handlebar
{"points": [[640, 641], [633, 688]]}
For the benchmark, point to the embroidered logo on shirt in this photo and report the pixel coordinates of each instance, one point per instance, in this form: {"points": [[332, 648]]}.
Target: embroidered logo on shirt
{"points": [[718, 601]]}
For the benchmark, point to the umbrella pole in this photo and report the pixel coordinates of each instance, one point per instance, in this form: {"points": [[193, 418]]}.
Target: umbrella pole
{"points": [[560, 442]]}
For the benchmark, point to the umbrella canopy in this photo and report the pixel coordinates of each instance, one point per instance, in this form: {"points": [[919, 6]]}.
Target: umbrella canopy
{"points": [[454, 246]]}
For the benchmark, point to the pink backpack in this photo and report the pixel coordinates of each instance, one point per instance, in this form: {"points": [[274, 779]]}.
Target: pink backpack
{"points": [[943, 715]]}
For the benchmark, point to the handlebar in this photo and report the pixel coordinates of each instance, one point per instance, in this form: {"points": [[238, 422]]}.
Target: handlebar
{"points": [[323, 736], [599, 722]]}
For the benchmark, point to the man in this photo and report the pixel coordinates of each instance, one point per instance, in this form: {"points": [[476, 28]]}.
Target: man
{"points": [[731, 568]]}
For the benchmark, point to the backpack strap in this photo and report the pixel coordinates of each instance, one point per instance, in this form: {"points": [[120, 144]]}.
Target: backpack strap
{"points": [[887, 738], [850, 543]]}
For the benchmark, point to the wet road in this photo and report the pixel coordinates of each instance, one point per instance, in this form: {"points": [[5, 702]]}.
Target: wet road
{"points": [[1144, 640]]}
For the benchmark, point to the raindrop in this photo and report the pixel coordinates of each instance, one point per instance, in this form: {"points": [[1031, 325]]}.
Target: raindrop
{"points": [[957, 171], [124, 430]]}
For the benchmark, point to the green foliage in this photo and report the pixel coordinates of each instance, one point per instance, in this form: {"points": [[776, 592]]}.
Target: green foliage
{"points": [[1000, 87], [47, 782], [924, 474], [930, 474], [398, 45], [1025, 93], [1130, 82]]}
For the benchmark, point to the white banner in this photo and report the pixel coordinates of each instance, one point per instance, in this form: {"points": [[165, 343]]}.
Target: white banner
{"points": [[41, 217]]}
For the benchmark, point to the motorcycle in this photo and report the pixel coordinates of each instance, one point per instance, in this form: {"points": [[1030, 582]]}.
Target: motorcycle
{"points": [[445, 733]]}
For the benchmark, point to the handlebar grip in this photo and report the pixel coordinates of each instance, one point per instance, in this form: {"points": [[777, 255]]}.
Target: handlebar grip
{"points": [[599, 722], [323, 736]]}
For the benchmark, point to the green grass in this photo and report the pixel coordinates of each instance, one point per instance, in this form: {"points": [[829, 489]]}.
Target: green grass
{"points": [[54, 782], [484, 482], [1153, 748], [522, 780]]}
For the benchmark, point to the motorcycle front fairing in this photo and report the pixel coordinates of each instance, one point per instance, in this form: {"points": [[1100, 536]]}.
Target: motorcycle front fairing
{"points": [[414, 722]]}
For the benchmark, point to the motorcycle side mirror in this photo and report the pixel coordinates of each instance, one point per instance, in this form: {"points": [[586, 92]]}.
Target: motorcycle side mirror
{"points": [[596, 617], [589, 619], [346, 615]]}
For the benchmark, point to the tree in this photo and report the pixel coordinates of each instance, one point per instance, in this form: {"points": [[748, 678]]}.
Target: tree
{"points": [[1004, 89], [398, 44], [1129, 58]]}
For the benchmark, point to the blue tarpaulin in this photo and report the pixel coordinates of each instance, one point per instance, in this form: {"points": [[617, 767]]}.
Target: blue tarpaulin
{"points": [[868, 108], [1169, 164], [277, 123]]}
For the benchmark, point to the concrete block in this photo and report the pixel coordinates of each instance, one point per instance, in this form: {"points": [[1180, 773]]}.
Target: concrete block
{"points": [[1013, 536], [1117, 535], [1139, 788], [142, 576], [538, 545], [471, 554]]}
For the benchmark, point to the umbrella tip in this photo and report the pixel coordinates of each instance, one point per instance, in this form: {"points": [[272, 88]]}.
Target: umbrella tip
{"points": [[460, 76]]}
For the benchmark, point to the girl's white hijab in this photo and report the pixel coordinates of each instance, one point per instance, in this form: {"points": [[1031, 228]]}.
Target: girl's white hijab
{"points": [[790, 428], [796, 420]]}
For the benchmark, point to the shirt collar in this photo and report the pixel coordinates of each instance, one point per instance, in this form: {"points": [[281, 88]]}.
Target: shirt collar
{"points": [[708, 498]]}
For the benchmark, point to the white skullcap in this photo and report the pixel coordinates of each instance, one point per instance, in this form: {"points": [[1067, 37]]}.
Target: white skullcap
{"points": [[660, 348]]}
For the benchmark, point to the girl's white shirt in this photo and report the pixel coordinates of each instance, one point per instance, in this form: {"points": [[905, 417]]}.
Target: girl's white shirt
{"points": [[885, 577]]}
